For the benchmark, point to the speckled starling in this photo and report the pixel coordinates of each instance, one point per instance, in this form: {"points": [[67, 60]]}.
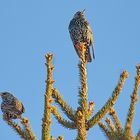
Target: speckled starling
{"points": [[11, 107], [80, 32]]}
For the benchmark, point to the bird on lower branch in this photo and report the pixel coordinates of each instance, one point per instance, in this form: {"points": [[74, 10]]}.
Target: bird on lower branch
{"points": [[11, 107]]}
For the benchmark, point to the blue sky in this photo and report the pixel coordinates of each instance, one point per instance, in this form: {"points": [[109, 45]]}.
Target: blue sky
{"points": [[30, 29]]}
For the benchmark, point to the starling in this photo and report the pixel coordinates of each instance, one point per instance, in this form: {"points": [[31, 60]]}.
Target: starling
{"points": [[80, 32], [11, 107]]}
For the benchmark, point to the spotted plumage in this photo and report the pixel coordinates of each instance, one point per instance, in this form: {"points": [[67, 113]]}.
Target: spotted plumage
{"points": [[11, 107], [80, 32]]}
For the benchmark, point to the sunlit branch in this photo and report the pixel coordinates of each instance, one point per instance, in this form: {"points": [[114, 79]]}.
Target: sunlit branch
{"points": [[61, 120], [100, 114], [134, 98], [46, 121], [64, 106]]}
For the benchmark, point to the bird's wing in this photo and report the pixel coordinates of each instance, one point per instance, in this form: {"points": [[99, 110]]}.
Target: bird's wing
{"points": [[88, 56], [92, 44], [19, 106], [23, 109], [90, 36], [6, 108]]}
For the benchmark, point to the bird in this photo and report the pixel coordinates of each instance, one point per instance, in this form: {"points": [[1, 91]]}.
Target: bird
{"points": [[80, 32], [11, 107]]}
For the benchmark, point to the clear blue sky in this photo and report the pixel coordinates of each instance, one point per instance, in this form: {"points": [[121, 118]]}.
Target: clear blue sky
{"points": [[30, 29]]}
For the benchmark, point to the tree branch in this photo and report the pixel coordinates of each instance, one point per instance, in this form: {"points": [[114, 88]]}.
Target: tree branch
{"points": [[100, 114], [64, 106], [105, 130], [61, 120], [46, 121], [134, 98], [116, 121]]}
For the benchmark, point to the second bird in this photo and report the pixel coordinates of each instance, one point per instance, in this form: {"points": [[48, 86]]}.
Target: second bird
{"points": [[11, 107], [80, 32]]}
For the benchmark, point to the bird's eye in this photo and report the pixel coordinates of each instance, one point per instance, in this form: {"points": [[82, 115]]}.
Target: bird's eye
{"points": [[4, 93]]}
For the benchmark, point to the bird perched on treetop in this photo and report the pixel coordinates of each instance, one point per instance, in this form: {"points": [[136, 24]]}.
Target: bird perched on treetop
{"points": [[11, 107], [80, 32]]}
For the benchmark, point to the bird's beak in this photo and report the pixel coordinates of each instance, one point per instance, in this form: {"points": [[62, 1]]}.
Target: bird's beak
{"points": [[83, 11]]}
